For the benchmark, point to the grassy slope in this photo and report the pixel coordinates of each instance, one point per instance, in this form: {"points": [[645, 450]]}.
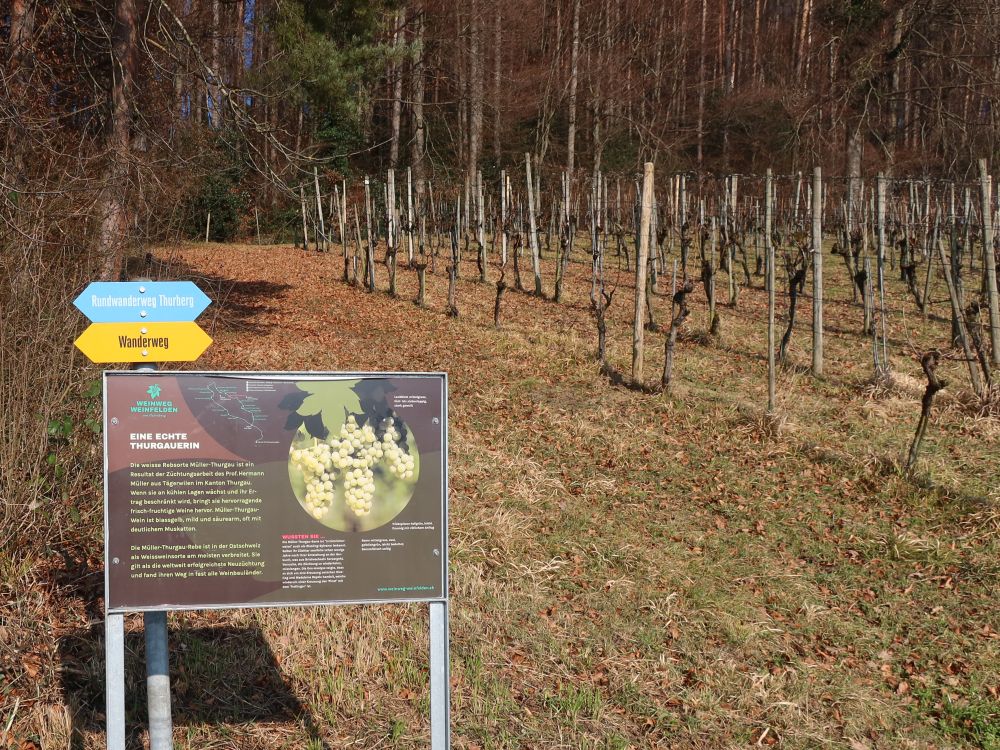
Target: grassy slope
{"points": [[628, 570]]}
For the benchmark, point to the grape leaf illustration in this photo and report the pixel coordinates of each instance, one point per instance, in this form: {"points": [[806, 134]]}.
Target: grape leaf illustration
{"points": [[321, 405], [374, 409]]}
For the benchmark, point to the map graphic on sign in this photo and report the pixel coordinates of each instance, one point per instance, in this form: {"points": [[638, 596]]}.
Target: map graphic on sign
{"points": [[236, 403]]}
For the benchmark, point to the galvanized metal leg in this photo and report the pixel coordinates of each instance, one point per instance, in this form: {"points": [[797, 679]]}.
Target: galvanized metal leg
{"points": [[161, 728], [440, 680], [114, 680]]}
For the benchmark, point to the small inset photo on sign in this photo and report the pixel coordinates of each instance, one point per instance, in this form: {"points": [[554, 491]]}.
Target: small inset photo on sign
{"points": [[353, 463]]}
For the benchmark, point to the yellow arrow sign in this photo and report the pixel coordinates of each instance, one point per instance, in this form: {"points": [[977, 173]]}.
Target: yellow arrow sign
{"points": [[143, 342]]}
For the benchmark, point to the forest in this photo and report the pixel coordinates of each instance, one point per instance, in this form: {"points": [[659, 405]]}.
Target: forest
{"points": [[715, 286]]}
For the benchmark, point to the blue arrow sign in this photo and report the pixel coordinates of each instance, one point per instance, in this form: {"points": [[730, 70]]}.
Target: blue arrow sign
{"points": [[142, 301]]}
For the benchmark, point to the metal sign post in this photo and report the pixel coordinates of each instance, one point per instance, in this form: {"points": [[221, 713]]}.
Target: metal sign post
{"points": [[154, 627], [114, 686], [161, 727], [137, 321], [213, 479], [440, 679]]}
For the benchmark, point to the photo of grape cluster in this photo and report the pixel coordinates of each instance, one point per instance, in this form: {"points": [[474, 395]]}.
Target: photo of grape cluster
{"points": [[350, 459]]}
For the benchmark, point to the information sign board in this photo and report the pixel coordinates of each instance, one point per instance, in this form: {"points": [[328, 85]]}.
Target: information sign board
{"points": [[270, 489]]}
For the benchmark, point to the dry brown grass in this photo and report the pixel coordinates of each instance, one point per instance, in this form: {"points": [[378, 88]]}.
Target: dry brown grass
{"points": [[627, 569]]}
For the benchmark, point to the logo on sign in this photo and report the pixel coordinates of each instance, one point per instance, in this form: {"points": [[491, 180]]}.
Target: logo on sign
{"points": [[153, 405]]}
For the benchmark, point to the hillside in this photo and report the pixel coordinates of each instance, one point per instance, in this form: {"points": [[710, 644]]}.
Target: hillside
{"points": [[627, 569]]}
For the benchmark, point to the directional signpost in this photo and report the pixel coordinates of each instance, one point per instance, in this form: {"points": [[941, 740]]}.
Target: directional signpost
{"points": [[143, 342], [206, 489], [142, 321]]}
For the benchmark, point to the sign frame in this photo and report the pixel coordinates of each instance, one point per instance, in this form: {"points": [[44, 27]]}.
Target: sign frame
{"points": [[286, 376]]}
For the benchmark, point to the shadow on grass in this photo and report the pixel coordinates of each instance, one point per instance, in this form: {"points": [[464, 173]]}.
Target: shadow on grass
{"points": [[218, 676], [236, 303], [617, 378]]}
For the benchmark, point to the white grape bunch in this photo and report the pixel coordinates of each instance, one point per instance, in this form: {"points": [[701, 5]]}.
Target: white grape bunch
{"points": [[350, 456]]}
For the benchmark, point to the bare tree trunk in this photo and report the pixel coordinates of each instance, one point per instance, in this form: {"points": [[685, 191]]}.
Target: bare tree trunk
{"points": [[796, 269], [929, 361], [497, 68], [600, 314], [114, 223], [396, 76], [214, 87], [501, 288], [418, 145], [20, 40], [22, 27], [574, 67], [475, 93], [678, 302], [421, 269], [701, 85]]}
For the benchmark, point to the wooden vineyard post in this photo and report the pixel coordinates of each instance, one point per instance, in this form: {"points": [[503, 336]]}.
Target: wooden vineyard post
{"points": [[480, 227], [959, 321], [595, 212], [956, 259], [708, 270], [409, 215], [355, 261], [321, 241], [503, 218], [453, 271], [343, 203], [734, 229], [930, 235], [305, 227], [532, 228], [642, 253], [817, 248], [685, 241], [392, 231], [341, 207], [880, 239], [370, 249], [769, 250], [989, 261]]}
